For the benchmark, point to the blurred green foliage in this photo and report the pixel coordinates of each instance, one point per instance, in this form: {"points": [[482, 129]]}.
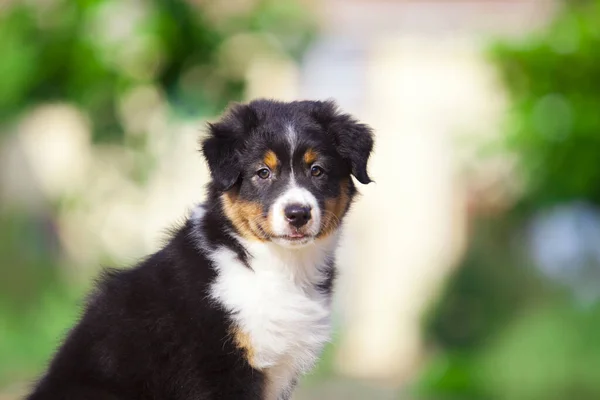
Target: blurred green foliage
{"points": [[90, 52], [552, 353], [35, 308], [552, 79], [502, 330]]}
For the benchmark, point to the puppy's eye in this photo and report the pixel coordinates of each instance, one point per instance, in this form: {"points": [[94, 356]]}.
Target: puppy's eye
{"points": [[316, 170], [263, 173]]}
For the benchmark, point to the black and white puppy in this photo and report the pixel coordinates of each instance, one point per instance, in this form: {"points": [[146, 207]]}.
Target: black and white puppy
{"points": [[237, 304]]}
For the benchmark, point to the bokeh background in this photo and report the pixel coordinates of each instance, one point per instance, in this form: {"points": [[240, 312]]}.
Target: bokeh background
{"points": [[470, 270]]}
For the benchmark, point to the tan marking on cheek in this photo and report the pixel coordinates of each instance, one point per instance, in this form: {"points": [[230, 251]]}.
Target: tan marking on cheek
{"points": [[271, 160], [247, 217], [335, 209], [310, 156], [242, 341]]}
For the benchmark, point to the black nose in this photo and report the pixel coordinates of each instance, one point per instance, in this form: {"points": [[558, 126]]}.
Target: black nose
{"points": [[297, 215]]}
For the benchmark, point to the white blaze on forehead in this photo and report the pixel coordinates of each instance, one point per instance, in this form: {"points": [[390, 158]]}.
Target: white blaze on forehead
{"points": [[294, 195], [292, 137]]}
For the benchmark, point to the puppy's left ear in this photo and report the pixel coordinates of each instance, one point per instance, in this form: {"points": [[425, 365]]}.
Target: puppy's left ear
{"points": [[354, 140], [225, 140]]}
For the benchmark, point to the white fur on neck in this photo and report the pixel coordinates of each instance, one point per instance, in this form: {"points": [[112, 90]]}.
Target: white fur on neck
{"points": [[277, 304]]}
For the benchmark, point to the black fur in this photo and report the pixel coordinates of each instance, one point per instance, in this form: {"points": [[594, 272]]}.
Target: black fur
{"points": [[151, 332], [327, 286], [221, 150]]}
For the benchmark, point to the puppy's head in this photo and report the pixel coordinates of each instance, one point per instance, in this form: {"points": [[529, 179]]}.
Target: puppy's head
{"points": [[282, 170]]}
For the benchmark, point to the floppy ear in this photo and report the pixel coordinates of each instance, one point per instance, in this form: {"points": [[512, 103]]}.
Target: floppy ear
{"points": [[226, 137], [354, 141]]}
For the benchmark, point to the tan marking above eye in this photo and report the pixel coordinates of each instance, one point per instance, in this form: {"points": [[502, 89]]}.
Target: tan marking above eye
{"points": [[270, 159], [310, 156]]}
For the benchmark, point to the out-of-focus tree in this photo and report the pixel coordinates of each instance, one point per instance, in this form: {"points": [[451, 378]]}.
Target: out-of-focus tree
{"points": [[554, 124]]}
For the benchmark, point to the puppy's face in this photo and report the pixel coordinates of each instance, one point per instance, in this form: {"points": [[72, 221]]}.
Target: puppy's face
{"points": [[283, 169]]}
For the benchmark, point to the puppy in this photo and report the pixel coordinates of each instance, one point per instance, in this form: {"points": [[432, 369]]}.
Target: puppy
{"points": [[237, 304]]}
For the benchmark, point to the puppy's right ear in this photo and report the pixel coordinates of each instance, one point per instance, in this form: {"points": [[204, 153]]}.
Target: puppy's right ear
{"points": [[353, 140], [226, 139]]}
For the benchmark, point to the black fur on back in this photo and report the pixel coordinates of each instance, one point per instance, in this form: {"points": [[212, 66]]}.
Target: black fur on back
{"points": [[151, 332]]}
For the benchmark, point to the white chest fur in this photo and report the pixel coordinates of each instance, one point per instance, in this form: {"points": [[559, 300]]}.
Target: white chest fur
{"points": [[277, 306]]}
